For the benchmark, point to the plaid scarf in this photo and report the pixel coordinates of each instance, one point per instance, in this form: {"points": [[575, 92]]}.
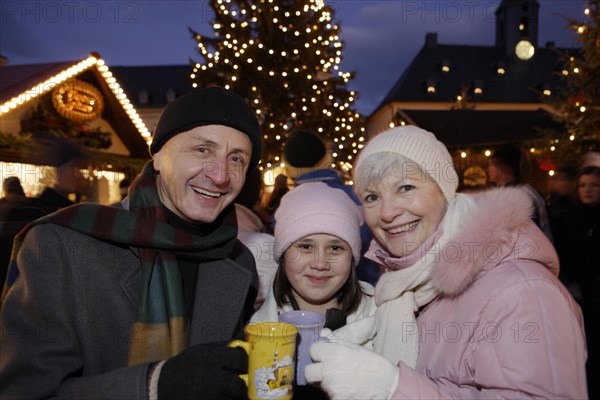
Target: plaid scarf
{"points": [[160, 330]]}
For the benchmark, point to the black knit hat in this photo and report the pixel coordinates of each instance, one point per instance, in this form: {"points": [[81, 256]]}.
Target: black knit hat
{"points": [[304, 152], [511, 156], [304, 149], [208, 106]]}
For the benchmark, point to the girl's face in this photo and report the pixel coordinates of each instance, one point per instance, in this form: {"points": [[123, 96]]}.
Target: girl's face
{"points": [[588, 189], [403, 211], [317, 267]]}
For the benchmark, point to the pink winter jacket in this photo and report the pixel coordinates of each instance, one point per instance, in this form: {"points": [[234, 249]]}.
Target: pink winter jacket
{"points": [[503, 327]]}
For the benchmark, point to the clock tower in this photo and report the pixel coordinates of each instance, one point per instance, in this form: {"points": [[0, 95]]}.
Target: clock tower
{"points": [[517, 28]]}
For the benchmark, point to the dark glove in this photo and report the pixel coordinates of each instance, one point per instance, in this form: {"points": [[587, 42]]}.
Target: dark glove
{"points": [[204, 371]]}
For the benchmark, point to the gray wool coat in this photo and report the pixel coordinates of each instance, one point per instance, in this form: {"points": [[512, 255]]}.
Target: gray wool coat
{"points": [[66, 322]]}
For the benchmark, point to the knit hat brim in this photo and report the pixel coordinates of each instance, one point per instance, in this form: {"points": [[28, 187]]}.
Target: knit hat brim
{"points": [[316, 208], [510, 156], [295, 172]]}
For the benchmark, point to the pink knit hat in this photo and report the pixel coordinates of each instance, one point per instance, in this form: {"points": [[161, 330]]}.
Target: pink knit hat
{"points": [[313, 208]]}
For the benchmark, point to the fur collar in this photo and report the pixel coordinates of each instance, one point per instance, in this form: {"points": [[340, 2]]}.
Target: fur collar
{"points": [[487, 234]]}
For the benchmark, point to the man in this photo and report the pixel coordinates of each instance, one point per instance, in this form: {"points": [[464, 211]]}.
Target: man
{"points": [[16, 211], [562, 196], [504, 169], [139, 302], [67, 179], [307, 160]]}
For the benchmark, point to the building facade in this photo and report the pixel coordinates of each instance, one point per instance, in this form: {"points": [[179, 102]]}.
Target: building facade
{"points": [[475, 98], [44, 107]]}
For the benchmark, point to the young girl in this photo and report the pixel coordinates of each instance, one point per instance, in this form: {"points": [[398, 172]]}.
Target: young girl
{"points": [[577, 242], [317, 245]]}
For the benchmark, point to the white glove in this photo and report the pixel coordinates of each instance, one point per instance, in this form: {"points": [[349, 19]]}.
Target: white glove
{"points": [[360, 332], [351, 372], [328, 336]]}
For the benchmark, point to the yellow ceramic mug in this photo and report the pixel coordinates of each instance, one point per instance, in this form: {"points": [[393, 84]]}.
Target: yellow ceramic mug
{"points": [[270, 347]]}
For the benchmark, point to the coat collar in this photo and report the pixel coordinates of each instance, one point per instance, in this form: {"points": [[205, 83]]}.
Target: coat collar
{"points": [[221, 293]]}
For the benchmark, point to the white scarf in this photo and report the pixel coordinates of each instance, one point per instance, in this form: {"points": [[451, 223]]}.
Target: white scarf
{"points": [[407, 287]]}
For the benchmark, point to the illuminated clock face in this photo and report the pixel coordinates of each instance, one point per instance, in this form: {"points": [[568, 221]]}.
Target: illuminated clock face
{"points": [[524, 50]]}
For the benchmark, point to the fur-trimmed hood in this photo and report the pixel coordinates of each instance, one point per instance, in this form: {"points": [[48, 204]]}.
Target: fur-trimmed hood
{"points": [[497, 226]]}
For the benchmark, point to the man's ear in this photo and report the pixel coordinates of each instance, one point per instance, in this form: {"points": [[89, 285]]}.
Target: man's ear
{"points": [[156, 161]]}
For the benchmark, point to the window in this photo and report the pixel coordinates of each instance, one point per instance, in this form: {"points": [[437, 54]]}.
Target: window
{"points": [[144, 96], [170, 96]]}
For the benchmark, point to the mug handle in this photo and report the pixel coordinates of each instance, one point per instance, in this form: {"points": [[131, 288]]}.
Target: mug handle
{"points": [[246, 347]]}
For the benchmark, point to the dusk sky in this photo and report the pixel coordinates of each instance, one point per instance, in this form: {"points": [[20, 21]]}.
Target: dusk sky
{"points": [[381, 37]]}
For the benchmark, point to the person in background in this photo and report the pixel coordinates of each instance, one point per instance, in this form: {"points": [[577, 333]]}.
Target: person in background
{"points": [[504, 169], [280, 188], [470, 306], [577, 242], [67, 180], [317, 246], [19, 210], [139, 301], [12, 190], [562, 194], [308, 160], [124, 187], [590, 159], [252, 232], [16, 211]]}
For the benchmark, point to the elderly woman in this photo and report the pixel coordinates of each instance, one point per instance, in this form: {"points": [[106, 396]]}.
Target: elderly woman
{"points": [[470, 306]]}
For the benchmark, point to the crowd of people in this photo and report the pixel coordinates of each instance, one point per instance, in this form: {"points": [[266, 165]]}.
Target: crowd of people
{"points": [[17, 209], [427, 292]]}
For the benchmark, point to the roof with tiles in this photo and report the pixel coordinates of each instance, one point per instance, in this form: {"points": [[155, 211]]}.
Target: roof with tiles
{"points": [[159, 83]]}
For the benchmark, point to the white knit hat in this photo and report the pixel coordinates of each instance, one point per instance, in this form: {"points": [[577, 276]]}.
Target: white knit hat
{"points": [[313, 208], [419, 146]]}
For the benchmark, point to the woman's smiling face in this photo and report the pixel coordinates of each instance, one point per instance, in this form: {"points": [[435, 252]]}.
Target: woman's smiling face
{"points": [[403, 210]]}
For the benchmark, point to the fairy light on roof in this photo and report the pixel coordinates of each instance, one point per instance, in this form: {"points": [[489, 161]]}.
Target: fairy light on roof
{"points": [[49, 84]]}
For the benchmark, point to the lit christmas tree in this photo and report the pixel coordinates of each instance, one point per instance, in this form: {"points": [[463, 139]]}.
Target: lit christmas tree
{"points": [[283, 56], [578, 105]]}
